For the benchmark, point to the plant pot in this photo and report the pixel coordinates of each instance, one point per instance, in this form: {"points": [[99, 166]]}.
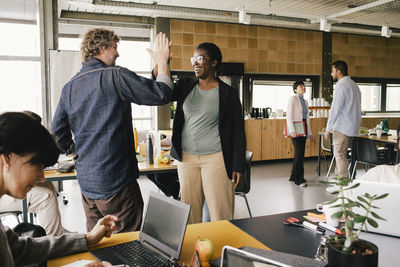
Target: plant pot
{"points": [[338, 258]]}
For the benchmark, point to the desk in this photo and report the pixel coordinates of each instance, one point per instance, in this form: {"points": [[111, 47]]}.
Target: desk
{"points": [[54, 176], [221, 233], [271, 231], [390, 141]]}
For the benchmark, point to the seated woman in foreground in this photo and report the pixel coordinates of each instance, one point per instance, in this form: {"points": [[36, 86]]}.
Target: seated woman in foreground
{"points": [[26, 148]]}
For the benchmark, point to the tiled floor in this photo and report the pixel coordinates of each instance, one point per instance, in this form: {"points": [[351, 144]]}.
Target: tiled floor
{"points": [[270, 193]]}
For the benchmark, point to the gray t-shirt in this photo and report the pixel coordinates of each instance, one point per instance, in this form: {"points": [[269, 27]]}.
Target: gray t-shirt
{"points": [[200, 133]]}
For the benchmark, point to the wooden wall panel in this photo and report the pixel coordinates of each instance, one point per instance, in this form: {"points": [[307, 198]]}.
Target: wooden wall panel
{"points": [[262, 49], [368, 56]]}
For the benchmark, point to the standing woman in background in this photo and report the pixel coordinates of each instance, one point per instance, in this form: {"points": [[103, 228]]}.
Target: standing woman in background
{"points": [[297, 110], [208, 138]]}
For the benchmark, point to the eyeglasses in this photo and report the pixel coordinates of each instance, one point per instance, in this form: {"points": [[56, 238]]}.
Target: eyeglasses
{"points": [[198, 59]]}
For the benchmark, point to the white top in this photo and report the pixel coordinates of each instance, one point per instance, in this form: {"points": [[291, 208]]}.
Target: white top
{"points": [[345, 115], [294, 112]]}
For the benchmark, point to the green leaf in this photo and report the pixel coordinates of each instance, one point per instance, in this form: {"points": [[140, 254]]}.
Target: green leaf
{"points": [[336, 206], [350, 205], [363, 199], [362, 205], [372, 222], [367, 195], [375, 207], [337, 214], [351, 214], [331, 201], [327, 182], [381, 196], [350, 224], [377, 216], [359, 219], [335, 192], [353, 186]]}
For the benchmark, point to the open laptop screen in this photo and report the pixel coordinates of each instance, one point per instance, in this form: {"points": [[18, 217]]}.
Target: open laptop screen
{"points": [[164, 224]]}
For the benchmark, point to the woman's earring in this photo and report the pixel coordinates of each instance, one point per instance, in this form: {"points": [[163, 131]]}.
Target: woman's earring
{"points": [[7, 167]]}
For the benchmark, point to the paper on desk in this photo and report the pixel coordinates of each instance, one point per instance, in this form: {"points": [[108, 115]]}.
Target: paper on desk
{"points": [[175, 163], [78, 263]]}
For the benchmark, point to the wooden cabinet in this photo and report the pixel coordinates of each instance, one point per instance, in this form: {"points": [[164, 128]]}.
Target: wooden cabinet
{"points": [[266, 140]]}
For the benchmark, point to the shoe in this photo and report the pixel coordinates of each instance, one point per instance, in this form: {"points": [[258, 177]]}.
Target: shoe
{"points": [[304, 184]]}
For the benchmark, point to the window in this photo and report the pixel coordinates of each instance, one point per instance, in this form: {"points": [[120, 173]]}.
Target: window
{"points": [[370, 97], [275, 94], [393, 97], [20, 68], [132, 55]]}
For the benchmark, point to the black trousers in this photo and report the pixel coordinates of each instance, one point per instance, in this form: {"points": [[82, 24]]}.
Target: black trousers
{"points": [[297, 175]]}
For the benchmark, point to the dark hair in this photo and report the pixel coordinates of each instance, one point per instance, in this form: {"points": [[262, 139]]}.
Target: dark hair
{"points": [[213, 51], [342, 66], [398, 130], [23, 135], [297, 83], [33, 115]]}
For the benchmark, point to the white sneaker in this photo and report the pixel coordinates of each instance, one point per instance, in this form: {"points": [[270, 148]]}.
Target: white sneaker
{"points": [[303, 184]]}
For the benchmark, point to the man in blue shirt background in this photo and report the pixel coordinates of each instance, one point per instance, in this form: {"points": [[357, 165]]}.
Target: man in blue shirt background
{"points": [[95, 107], [345, 115]]}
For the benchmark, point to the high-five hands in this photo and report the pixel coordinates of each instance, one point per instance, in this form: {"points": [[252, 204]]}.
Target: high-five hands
{"points": [[161, 54]]}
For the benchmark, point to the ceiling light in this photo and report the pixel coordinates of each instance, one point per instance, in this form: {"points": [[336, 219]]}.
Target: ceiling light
{"points": [[324, 25], [386, 32], [243, 17]]}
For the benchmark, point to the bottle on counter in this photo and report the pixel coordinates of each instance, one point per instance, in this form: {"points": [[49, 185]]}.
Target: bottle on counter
{"points": [[149, 149]]}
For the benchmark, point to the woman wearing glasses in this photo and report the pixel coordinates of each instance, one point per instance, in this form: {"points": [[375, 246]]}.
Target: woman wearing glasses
{"points": [[208, 137]]}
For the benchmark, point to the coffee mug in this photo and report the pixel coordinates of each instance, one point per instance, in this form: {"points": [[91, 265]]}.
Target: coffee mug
{"points": [[379, 133], [329, 211]]}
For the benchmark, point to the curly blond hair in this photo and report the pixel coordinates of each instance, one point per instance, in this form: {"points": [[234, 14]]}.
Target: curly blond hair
{"points": [[95, 39]]}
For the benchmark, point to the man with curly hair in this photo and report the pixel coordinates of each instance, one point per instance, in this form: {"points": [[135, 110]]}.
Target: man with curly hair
{"points": [[94, 115]]}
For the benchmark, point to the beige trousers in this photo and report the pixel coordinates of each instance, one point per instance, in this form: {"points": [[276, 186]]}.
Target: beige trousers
{"points": [[340, 145], [42, 200], [204, 177]]}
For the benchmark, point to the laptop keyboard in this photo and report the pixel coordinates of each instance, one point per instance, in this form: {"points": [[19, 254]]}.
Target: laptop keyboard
{"points": [[135, 254]]}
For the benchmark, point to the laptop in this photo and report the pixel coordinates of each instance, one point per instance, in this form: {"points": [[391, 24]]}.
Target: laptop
{"points": [[160, 238], [389, 206], [233, 257]]}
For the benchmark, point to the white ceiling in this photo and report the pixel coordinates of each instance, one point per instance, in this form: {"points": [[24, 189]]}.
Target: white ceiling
{"points": [[356, 16], [353, 16]]}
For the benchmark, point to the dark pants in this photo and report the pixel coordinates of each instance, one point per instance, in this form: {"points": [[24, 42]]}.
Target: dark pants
{"points": [[297, 175], [127, 205], [168, 183]]}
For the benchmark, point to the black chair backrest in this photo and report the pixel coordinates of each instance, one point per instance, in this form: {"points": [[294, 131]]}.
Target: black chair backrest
{"points": [[244, 186], [366, 151]]}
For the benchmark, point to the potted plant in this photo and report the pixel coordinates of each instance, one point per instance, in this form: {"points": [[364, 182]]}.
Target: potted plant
{"points": [[349, 250]]}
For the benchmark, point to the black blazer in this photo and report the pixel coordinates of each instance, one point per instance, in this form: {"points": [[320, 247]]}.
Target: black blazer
{"points": [[231, 124]]}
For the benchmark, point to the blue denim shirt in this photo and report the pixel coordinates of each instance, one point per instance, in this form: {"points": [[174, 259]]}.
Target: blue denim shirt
{"points": [[95, 106]]}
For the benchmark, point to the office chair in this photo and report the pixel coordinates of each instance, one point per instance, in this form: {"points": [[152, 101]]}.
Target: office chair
{"points": [[367, 154], [244, 187]]}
